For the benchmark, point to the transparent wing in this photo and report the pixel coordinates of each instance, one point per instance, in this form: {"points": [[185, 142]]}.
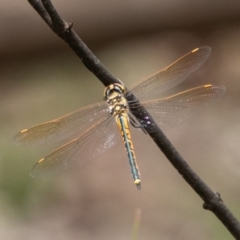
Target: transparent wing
{"points": [[90, 144], [171, 75], [176, 109], [62, 127]]}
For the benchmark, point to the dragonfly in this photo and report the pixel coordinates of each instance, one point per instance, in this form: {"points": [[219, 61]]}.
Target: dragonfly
{"points": [[99, 124]]}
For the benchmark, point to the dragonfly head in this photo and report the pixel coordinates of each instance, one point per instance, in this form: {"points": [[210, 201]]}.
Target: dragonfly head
{"points": [[114, 89]]}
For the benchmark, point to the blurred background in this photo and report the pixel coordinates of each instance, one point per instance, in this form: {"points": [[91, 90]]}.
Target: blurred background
{"points": [[42, 79]]}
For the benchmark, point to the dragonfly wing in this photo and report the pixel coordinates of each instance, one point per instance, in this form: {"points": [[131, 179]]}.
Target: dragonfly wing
{"points": [[89, 145], [62, 127], [172, 75], [176, 109]]}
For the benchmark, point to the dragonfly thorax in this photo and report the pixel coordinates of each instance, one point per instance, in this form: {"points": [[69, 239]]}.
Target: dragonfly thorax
{"points": [[114, 94]]}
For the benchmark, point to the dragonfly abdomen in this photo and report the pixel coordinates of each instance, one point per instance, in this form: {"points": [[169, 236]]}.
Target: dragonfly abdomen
{"points": [[122, 121]]}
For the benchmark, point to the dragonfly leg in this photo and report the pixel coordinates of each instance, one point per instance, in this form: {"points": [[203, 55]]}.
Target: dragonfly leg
{"points": [[136, 124]]}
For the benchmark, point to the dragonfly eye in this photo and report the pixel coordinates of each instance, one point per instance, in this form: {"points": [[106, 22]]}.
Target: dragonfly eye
{"points": [[116, 87]]}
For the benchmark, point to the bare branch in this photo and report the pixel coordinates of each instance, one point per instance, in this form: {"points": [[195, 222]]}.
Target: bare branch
{"points": [[64, 30]]}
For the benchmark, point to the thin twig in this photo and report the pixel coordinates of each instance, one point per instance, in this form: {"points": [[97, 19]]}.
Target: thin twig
{"points": [[136, 223], [212, 200]]}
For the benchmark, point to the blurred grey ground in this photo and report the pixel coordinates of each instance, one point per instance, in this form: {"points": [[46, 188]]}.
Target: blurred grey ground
{"points": [[42, 79]]}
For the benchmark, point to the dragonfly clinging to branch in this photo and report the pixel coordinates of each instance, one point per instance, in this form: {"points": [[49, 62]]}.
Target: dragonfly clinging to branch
{"points": [[97, 122]]}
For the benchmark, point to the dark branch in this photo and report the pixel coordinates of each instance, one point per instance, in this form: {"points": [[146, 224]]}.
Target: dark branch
{"points": [[64, 30], [212, 201], [38, 6]]}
